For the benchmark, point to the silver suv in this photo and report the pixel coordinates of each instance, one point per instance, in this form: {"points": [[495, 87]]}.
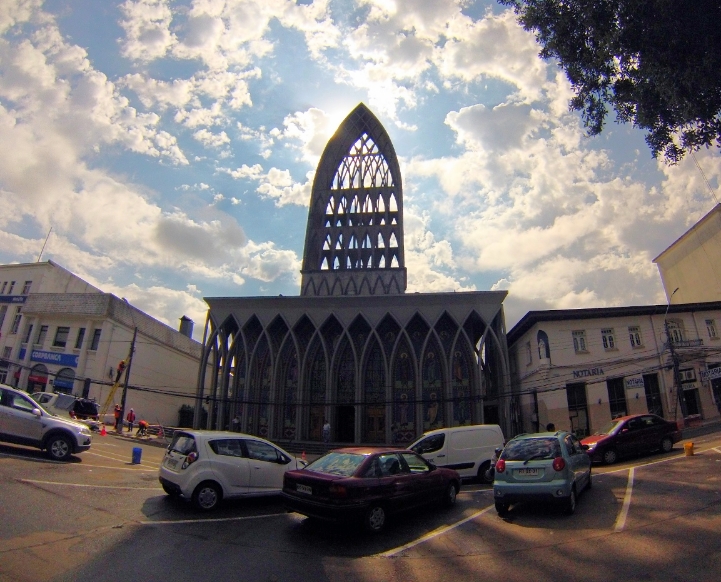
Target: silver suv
{"points": [[25, 422]]}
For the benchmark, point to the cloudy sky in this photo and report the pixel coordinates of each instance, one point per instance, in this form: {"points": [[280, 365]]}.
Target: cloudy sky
{"points": [[170, 145]]}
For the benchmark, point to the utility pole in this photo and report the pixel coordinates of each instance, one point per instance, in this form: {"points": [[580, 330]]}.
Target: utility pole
{"points": [[127, 375], [676, 373]]}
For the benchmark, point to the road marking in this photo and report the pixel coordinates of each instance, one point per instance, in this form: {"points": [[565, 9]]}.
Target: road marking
{"points": [[152, 467], [37, 482], [433, 534], [621, 520], [214, 520]]}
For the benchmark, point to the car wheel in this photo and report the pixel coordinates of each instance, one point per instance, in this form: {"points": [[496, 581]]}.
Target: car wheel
{"points": [[485, 473], [610, 457], [170, 491], [570, 503], [207, 496], [501, 508], [375, 518], [450, 495], [59, 448], [666, 444]]}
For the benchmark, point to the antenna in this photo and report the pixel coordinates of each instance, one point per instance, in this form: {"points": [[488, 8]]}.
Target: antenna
{"points": [[46, 242]]}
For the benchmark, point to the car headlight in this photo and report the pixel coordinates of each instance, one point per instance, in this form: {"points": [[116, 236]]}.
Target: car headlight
{"points": [[85, 431]]}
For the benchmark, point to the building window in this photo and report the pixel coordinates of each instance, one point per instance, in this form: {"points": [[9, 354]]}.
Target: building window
{"points": [[5, 284], [79, 339], [7, 352], [40, 340], [26, 287], [711, 328], [96, 339], [3, 311], [28, 333], [12, 286], [634, 334], [617, 397], [579, 341], [16, 322], [609, 343], [528, 354], [61, 337], [675, 332]]}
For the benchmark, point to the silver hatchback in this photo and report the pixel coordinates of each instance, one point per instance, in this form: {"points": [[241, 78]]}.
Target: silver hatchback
{"points": [[542, 467]]}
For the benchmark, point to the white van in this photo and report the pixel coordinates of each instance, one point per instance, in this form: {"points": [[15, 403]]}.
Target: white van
{"points": [[467, 449]]}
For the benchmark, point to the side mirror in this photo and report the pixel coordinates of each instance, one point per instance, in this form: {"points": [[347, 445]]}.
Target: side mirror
{"points": [[584, 447], [36, 412]]}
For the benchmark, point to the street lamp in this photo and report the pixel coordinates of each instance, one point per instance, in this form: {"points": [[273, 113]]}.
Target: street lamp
{"points": [[674, 359]]}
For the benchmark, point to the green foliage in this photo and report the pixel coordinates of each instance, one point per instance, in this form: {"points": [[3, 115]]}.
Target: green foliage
{"points": [[657, 63]]}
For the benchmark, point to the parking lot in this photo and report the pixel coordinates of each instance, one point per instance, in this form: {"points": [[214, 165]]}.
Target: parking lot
{"points": [[652, 518]]}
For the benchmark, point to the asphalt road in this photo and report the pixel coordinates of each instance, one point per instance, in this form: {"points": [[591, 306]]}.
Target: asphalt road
{"points": [[100, 517]]}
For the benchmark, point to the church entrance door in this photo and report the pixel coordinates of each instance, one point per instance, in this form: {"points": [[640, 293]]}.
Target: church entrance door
{"points": [[345, 418], [375, 424], [315, 426]]}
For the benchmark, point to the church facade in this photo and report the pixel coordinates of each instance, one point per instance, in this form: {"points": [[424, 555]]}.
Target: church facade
{"points": [[380, 365]]}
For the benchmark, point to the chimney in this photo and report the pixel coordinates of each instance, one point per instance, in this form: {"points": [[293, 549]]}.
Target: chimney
{"points": [[186, 326]]}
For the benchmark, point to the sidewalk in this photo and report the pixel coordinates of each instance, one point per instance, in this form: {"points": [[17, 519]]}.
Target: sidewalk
{"points": [[706, 427]]}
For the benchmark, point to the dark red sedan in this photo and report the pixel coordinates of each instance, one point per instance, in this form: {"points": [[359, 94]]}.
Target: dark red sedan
{"points": [[631, 435], [367, 485]]}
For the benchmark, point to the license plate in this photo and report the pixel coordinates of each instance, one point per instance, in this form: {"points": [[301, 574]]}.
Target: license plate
{"points": [[171, 463], [304, 489], [527, 472]]}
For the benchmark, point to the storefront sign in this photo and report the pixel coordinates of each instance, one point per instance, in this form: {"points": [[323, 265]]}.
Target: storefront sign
{"points": [[54, 358], [13, 298], [711, 374], [634, 382], [64, 383], [588, 372]]}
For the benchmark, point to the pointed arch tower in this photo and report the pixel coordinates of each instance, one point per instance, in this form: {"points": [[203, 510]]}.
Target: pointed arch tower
{"points": [[354, 237]]}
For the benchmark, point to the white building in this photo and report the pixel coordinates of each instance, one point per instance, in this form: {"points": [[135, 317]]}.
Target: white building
{"points": [[59, 333], [579, 368]]}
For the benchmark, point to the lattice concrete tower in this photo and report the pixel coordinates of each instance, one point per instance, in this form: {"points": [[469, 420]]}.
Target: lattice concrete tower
{"points": [[354, 238]]}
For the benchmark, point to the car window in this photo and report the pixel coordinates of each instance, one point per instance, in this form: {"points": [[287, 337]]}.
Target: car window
{"points": [[342, 464], [531, 448], [634, 424], [577, 445], [261, 451], [415, 463], [6, 398], [227, 447], [374, 470], [183, 443], [390, 464], [430, 444], [570, 446]]}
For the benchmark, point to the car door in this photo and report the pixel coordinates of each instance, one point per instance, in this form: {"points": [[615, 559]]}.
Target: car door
{"points": [[580, 461], [426, 485], [230, 465], [21, 422], [267, 467], [397, 484], [627, 438]]}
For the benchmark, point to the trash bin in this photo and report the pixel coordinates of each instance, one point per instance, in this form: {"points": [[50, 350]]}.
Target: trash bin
{"points": [[137, 453], [688, 449]]}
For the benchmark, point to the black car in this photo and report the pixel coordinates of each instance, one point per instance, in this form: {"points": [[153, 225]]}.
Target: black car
{"points": [[85, 409], [366, 485]]}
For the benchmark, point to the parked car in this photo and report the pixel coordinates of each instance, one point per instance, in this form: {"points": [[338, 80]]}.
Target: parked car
{"points": [[467, 449], [632, 435], [541, 467], [367, 484], [24, 421], [207, 466], [83, 410]]}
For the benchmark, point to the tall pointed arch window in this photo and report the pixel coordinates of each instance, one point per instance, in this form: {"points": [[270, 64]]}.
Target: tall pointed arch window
{"points": [[462, 385], [288, 380], [374, 393], [403, 424], [316, 389], [432, 390], [345, 386], [260, 389], [363, 167]]}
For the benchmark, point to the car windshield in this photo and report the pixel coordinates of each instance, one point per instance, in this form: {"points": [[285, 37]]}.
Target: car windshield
{"points": [[183, 444], [342, 464], [608, 428], [532, 448]]}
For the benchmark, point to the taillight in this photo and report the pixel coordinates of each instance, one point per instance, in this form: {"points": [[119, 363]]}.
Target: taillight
{"points": [[559, 464], [337, 491], [500, 466], [190, 459]]}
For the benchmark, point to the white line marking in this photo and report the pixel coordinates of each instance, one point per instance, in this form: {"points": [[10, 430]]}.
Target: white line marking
{"points": [[433, 534], [214, 520], [621, 520], [35, 481]]}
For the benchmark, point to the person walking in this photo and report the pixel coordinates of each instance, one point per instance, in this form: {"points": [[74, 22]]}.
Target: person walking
{"points": [[118, 419], [131, 420], [326, 431]]}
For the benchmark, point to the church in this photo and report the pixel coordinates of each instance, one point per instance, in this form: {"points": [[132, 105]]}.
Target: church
{"points": [[382, 366]]}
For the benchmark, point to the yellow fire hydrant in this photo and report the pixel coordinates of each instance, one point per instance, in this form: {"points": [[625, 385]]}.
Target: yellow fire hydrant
{"points": [[688, 449]]}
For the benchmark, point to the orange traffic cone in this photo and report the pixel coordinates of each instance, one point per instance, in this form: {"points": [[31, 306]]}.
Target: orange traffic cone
{"points": [[103, 432]]}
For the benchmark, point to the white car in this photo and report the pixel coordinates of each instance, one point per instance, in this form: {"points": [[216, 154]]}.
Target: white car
{"points": [[207, 466]]}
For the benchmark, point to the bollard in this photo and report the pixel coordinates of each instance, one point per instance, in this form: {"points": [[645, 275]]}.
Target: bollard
{"points": [[137, 453], [688, 449]]}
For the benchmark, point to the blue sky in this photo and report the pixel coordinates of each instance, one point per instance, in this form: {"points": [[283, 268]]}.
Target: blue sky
{"points": [[171, 146]]}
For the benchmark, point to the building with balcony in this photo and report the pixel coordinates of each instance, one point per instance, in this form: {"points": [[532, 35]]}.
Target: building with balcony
{"points": [[59, 333], [579, 368]]}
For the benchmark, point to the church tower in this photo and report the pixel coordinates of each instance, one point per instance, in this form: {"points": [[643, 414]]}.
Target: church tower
{"points": [[354, 237]]}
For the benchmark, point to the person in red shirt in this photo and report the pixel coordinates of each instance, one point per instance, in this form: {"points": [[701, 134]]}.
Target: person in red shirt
{"points": [[131, 420], [118, 419], [142, 428]]}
